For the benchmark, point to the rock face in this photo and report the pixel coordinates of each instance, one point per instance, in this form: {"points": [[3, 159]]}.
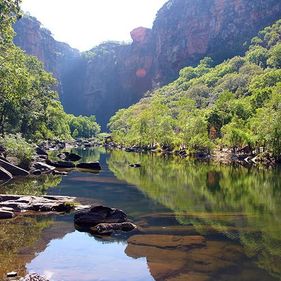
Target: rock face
{"points": [[114, 75], [186, 31], [58, 58]]}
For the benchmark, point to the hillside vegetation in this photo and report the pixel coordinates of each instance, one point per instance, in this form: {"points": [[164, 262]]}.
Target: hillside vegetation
{"points": [[233, 104], [29, 105]]}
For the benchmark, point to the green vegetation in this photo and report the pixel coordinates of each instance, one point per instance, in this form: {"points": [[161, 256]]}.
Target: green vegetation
{"points": [[35, 186], [18, 147], [28, 102], [233, 104]]}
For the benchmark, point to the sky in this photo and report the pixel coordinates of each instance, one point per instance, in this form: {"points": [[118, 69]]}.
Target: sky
{"points": [[84, 24]]}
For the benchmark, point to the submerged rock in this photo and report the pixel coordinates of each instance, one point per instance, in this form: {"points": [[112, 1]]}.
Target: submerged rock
{"points": [[99, 214], [109, 228], [168, 241], [89, 166]]}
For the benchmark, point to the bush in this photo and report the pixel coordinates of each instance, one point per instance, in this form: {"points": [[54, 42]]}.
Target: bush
{"points": [[18, 147]]}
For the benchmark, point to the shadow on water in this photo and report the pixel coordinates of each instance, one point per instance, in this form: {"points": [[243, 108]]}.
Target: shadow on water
{"points": [[234, 211]]}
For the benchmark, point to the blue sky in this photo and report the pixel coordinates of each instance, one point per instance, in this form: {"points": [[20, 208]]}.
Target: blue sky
{"points": [[86, 23]]}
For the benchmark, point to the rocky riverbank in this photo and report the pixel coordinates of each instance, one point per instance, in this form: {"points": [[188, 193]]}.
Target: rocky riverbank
{"points": [[244, 156]]}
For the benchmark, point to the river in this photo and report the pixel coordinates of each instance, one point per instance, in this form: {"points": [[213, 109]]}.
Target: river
{"points": [[236, 212]]}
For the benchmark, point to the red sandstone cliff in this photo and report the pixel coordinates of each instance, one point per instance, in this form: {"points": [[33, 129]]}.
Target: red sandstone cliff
{"points": [[112, 75]]}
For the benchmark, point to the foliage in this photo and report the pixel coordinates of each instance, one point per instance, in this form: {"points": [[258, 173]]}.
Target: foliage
{"points": [[16, 146], [235, 103], [83, 126], [28, 102]]}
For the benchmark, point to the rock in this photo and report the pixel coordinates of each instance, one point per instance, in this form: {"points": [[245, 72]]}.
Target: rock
{"points": [[18, 203], [61, 164], [89, 166], [73, 157], [69, 156], [14, 170], [60, 173], [35, 172], [41, 151], [109, 228], [99, 214], [5, 214], [62, 155], [43, 167], [168, 241], [135, 165], [87, 144], [33, 277], [2, 149], [12, 274], [5, 175]]}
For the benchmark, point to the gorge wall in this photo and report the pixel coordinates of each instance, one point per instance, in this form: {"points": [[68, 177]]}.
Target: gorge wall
{"points": [[114, 75]]}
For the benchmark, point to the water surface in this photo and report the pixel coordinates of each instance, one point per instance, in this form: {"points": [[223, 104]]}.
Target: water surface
{"points": [[236, 210]]}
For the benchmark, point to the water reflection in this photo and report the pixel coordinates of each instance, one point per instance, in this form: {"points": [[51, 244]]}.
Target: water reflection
{"points": [[94, 260], [19, 242], [236, 212], [31, 185], [238, 203]]}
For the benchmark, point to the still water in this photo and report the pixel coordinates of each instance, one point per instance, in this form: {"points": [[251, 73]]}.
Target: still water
{"points": [[232, 213]]}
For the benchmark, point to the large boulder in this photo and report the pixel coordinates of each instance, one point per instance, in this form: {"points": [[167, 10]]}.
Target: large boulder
{"points": [[69, 156], [5, 175], [89, 166], [13, 169], [42, 167], [99, 214], [41, 151]]}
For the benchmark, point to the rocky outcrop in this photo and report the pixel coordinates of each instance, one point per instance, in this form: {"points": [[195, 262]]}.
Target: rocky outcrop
{"points": [[186, 31], [58, 58], [5, 175], [13, 169], [100, 220], [114, 75], [99, 214], [11, 205]]}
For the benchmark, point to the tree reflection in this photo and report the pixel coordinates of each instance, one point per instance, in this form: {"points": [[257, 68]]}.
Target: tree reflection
{"points": [[242, 204]]}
